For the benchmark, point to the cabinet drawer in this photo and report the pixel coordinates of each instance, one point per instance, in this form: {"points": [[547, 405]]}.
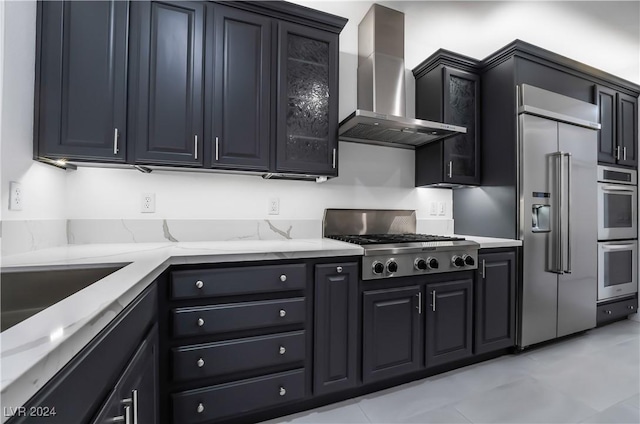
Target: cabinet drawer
{"points": [[233, 281], [616, 310], [237, 316], [226, 400], [229, 356]]}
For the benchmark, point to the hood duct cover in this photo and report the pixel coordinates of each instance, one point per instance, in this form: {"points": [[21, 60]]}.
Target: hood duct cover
{"points": [[379, 118]]}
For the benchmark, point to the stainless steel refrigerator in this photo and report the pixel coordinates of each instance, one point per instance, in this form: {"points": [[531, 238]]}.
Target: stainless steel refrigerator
{"points": [[557, 211]]}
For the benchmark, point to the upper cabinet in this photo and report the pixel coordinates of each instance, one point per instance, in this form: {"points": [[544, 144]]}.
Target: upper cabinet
{"points": [[245, 86], [167, 53], [617, 140], [450, 93], [307, 111], [81, 81]]}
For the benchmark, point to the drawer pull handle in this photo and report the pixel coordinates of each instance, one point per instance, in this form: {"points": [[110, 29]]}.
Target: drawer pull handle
{"points": [[282, 350], [283, 313], [283, 391], [200, 322], [199, 284], [339, 269], [200, 408], [200, 363], [607, 312], [631, 307], [283, 278]]}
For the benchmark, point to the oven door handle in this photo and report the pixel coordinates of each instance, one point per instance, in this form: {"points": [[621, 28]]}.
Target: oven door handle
{"points": [[618, 188], [625, 246]]}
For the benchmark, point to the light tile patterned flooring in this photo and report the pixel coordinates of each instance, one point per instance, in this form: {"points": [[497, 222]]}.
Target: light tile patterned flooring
{"points": [[590, 378]]}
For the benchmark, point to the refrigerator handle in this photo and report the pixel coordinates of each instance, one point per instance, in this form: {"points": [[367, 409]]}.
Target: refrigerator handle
{"points": [[568, 203], [557, 230]]}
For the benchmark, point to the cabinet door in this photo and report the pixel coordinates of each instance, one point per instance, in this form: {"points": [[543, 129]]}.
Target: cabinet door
{"points": [[307, 115], [336, 327], [168, 62], [607, 140], [240, 97], [462, 107], [134, 398], [392, 333], [449, 321], [628, 129], [495, 301], [81, 97]]}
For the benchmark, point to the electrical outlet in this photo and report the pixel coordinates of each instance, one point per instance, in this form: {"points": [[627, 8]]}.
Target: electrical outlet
{"points": [[433, 209], [15, 196], [441, 209], [148, 203], [274, 206]]}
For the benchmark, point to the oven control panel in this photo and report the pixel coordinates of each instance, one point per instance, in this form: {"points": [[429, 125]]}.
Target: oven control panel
{"points": [[405, 264]]}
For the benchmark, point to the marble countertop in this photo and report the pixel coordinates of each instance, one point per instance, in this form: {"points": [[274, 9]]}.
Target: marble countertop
{"points": [[34, 350]]}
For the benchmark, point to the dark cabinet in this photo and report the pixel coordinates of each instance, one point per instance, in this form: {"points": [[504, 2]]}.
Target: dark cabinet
{"points": [[135, 396], [449, 95], [336, 327], [617, 139], [448, 321], [239, 88], [167, 58], [495, 301], [307, 104], [81, 81], [392, 332]]}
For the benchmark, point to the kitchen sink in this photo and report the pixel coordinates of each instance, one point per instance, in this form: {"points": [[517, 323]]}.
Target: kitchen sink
{"points": [[24, 293]]}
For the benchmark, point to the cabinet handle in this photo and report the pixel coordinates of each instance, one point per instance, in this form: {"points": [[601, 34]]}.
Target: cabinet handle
{"points": [[282, 350], [199, 284], [484, 270], [200, 408], [200, 322], [200, 363], [283, 313], [126, 417], [333, 161], [624, 153], [195, 147], [217, 146], [283, 278], [450, 169], [607, 312], [283, 391], [631, 307], [134, 396], [433, 301], [419, 307], [339, 269], [617, 152], [115, 141]]}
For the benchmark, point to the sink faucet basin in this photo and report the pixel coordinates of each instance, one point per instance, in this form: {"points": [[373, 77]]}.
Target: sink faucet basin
{"points": [[26, 292]]}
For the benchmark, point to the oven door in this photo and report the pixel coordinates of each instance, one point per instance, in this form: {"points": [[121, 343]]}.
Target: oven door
{"points": [[617, 268], [617, 211]]}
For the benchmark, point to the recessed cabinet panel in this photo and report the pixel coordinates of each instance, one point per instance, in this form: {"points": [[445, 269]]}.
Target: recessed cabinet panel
{"points": [[606, 100], [242, 95], [170, 83], [307, 121], [628, 129], [82, 93]]}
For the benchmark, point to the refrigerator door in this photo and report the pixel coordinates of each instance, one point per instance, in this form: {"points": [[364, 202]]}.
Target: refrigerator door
{"points": [[578, 285], [538, 170]]}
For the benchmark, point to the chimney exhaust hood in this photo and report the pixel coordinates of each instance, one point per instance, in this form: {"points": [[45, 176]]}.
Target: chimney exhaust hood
{"points": [[380, 117]]}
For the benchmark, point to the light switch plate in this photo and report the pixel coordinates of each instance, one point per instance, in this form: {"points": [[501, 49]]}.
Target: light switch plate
{"points": [[441, 208]]}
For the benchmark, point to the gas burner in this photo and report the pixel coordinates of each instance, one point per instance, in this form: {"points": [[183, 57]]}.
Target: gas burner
{"points": [[367, 239]]}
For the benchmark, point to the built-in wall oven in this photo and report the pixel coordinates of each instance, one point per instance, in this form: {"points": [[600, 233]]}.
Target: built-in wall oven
{"points": [[617, 232], [617, 203]]}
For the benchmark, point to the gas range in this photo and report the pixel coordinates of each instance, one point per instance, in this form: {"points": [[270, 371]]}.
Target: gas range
{"points": [[391, 246]]}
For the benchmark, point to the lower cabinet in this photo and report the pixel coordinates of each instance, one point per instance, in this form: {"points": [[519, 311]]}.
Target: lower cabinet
{"points": [[495, 301], [449, 321], [335, 352], [392, 332]]}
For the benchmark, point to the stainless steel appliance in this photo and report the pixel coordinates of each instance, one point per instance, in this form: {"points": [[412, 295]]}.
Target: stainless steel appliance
{"points": [[391, 246], [557, 185], [617, 203], [617, 269]]}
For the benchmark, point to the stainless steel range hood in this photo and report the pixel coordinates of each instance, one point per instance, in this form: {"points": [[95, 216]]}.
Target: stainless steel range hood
{"points": [[380, 117]]}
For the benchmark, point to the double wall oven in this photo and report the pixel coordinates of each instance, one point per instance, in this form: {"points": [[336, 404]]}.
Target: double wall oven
{"points": [[617, 232]]}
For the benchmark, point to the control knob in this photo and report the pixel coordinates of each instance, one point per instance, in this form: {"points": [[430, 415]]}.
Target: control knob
{"points": [[392, 266], [378, 268], [468, 259], [433, 263], [457, 261], [420, 264]]}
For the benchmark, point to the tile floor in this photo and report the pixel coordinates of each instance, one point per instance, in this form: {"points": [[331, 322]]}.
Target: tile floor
{"points": [[590, 378]]}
